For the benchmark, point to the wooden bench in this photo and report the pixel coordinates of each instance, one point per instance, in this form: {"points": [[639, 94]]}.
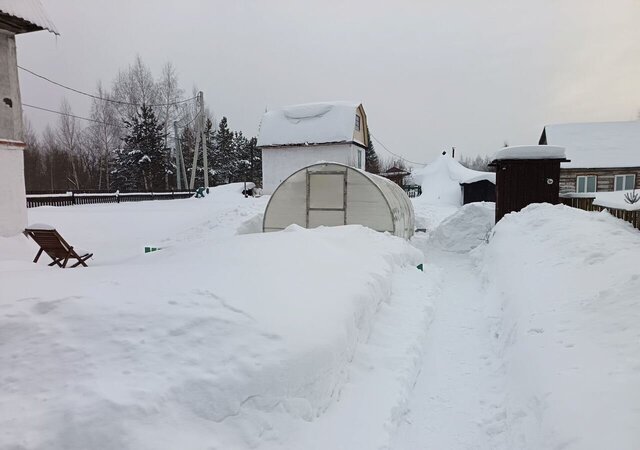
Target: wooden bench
{"points": [[55, 246]]}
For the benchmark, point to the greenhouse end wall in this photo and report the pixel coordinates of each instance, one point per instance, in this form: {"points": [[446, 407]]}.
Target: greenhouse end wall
{"points": [[331, 194]]}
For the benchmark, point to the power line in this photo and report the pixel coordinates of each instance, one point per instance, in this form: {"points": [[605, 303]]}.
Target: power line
{"points": [[71, 115], [395, 154], [102, 98]]}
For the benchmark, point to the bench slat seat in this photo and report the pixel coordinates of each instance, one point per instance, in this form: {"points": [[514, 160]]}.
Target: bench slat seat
{"points": [[56, 247]]}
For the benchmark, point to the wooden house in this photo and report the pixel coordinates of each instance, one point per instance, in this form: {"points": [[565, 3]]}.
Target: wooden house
{"points": [[16, 17], [297, 136], [605, 156], [396, 174]]}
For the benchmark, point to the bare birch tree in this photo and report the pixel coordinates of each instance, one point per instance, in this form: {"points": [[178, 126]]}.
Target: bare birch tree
{"points": [[103, 137], [68, 137]]}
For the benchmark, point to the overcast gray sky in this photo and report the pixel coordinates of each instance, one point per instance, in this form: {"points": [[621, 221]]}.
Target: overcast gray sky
{"points": [[431, 74]]}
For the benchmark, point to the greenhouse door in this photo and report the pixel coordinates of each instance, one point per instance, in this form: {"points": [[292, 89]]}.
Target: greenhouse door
{"points": [[326, 198]]}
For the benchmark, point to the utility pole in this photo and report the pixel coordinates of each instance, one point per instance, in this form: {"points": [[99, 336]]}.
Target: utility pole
{"points": [[203, 139], [178, 150], [199, 136]]}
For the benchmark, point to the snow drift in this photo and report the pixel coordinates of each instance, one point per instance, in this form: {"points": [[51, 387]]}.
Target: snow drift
{"points": [[441, 180], [563, 292], [466, 229], [217, 340]]}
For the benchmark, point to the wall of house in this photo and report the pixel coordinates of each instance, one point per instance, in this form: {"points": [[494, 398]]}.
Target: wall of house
{"points": [[10, 103], [13, 208], [605, 181], [359, 135], [280, 162], [13, 203]]}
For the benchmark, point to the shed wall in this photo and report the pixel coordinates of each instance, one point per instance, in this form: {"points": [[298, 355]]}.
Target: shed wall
{"points": [[280, 162], [522, 182], [478, 191]]}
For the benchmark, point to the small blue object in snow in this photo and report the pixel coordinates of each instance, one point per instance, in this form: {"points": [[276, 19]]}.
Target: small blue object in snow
{"points": [[201, 191]]}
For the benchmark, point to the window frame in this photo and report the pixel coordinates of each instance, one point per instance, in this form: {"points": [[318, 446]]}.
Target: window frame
{"points": [[586, 184], [624, 178], [358, 124], [360, 159]]}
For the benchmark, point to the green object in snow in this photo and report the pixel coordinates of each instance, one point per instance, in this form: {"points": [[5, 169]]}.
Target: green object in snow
{"points": [[421, 267], [151, 249], [200, 192]]}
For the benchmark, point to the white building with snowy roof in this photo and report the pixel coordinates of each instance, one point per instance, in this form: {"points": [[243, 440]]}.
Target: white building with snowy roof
{"points": [[604, 156], [293, 137], [16, 17]]}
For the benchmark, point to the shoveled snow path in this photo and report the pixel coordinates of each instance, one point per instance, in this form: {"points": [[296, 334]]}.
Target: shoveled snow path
{"points": [[457, 402]]}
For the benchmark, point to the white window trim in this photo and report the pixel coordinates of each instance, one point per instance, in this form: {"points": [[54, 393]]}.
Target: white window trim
{"points": [[585, 184], [623, 176]]}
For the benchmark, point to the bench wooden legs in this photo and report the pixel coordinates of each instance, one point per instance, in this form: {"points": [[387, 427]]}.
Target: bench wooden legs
{"points": [[82, 259], [38, 255], [62, 262]]}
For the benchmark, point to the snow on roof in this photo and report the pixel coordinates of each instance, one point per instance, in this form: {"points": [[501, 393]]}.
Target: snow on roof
{"points": [[30, 11], [597, 145], [311, 123], [441, 180], [530, 152]]}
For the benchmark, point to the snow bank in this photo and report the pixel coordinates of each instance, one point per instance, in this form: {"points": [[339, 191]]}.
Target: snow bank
{"points": [[441, 180], [252, 225], [615, 200], [466, 229], [563, 293], [215, 341]]}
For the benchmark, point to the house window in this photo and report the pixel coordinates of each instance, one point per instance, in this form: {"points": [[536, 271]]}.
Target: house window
{"points": [[359, 158], [625, 182], [357, 122], [586, 183]]}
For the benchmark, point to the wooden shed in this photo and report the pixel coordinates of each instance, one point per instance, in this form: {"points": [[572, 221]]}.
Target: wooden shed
{"points": [[527, 174], [478, 191]]}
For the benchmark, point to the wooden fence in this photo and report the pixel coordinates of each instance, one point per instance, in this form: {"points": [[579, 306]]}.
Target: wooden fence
{"points": [[412, 191], [88, 198], [586, 203]]}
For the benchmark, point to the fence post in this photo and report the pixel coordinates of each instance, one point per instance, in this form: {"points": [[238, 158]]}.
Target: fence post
{"points": [[118, 196], [73, 198]]}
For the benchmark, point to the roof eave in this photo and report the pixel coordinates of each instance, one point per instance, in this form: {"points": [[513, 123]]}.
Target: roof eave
{"points": [[311, 144], [18, 25]]}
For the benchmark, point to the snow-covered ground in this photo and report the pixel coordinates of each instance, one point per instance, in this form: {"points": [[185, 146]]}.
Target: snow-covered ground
{"points": [[521, 336], [219, 340]]}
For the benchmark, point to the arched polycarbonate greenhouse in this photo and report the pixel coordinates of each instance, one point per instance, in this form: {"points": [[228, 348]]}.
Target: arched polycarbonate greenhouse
{"points": [[333, 194]]}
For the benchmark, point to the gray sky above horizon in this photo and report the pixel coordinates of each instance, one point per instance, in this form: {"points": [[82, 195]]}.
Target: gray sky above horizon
{"points": [[431, 74]]}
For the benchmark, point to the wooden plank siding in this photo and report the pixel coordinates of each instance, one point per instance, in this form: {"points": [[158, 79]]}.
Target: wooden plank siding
{"points": [[522, 182], [605, 181]]}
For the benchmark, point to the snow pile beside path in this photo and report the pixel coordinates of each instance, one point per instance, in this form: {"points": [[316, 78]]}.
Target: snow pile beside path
{"points": [[565, 284], [216, 343], [252, 225], [466, 229]]}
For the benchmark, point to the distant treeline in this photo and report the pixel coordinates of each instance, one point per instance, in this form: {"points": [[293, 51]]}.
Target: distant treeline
{"points": [[129, 144]]}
